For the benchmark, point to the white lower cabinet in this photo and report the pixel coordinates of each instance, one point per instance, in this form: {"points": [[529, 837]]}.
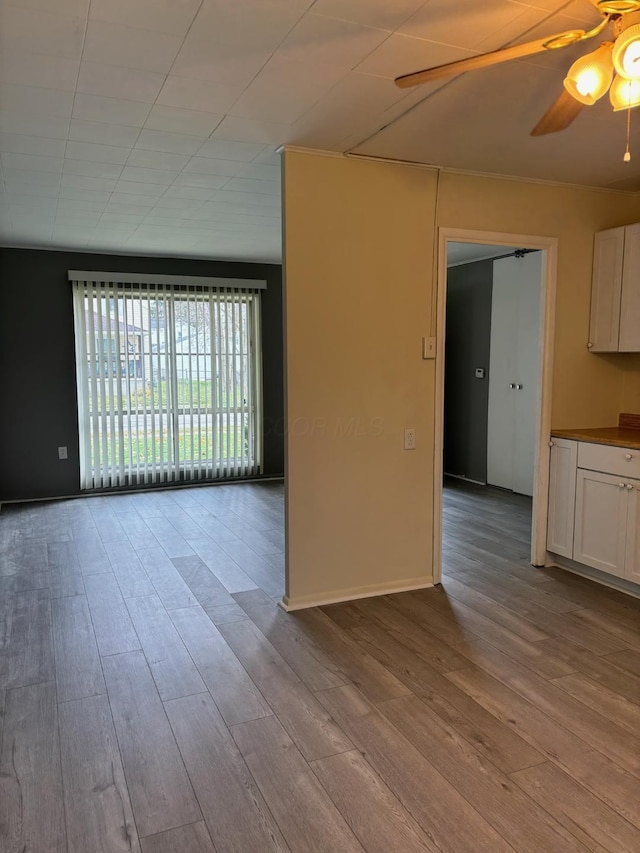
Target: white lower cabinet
{"points": [[600, 521], [632, 558], [594, 516]]}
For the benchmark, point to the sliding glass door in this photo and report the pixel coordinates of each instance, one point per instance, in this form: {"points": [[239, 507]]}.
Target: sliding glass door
{"points": [[168, 383]]}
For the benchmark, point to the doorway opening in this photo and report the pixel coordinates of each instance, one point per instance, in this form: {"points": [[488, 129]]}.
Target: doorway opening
{"points": [[493, 371]]}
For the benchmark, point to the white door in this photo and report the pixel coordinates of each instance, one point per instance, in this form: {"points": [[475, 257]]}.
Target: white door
{"points": [[513, 372], [601, 521], [562, 496], [502, 370]]}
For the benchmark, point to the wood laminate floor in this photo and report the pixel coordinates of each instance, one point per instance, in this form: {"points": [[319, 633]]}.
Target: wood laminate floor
{"points": [[155, 698]]}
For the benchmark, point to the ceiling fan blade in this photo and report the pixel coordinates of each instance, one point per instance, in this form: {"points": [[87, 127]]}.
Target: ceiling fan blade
{"points": [[518, 51], [562, 112]]}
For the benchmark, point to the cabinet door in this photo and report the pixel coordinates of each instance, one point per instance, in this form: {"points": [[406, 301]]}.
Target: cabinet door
{"points": [[632, 554], [630, 299], [606, 290], [601, 521], [562, 497]]}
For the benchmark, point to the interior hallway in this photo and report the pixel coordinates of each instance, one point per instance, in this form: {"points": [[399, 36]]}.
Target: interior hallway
{"points": [[157, 699]]}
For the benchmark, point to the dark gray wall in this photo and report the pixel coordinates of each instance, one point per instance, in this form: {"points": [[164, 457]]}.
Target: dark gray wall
{"points": [[466, 399], [38, 409]]}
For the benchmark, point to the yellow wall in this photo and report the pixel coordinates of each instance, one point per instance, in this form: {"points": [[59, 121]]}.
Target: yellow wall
{"points": [[359, 279]]}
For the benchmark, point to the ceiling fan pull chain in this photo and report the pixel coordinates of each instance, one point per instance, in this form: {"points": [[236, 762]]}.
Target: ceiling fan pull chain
{"points": [[627, 153]]}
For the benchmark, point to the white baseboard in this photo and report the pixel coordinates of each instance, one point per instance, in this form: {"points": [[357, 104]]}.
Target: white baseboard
{"points": [[301, 602], [611, 581]]}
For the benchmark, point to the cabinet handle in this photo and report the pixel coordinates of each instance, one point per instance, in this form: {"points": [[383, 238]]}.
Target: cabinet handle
{"points": [[629, 486], [519, 387], [552, 444], [628, 456], [621, 485], [512, 385], [589, 345]]}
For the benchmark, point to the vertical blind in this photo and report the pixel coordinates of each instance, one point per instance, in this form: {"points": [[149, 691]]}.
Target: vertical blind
{"points": [[168, 379]]}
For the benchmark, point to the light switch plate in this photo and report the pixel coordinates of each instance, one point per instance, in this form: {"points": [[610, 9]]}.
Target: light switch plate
{"points": [[428, 347]]}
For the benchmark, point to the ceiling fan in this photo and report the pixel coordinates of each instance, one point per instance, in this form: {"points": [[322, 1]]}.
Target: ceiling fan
{"points": [[588, 79]]}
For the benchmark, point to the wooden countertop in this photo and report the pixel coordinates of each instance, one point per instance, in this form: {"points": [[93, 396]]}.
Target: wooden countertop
{"points": [[616, 436]]}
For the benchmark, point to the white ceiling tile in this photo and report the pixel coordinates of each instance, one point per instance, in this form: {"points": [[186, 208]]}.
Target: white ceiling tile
{"points": [[14, 185], [175, 120], [139, 174], [80, 205], [36, 100], [37, 31], [20, 144], [203, 193], [91, 169], [110, 110], [31, 162], [114, 44], [84, 182], [401, 54], [34, 69], [157, 160], [52, 127], [135, 209], [192, 179], [211, 166], [72, 8], [97, 153], [171, 143], [168, 203], [260, 171], [105, 134], [164, 16], [373, 13], [251, 25], [285, 90], [79, 217], [246, 185], [270, 156], [257, 199], [167, 218], [112, 81], [191, 94], [44, 180], [138, 200], [204, 58], [329, 41], [464, 25], [96, 196], [125, 219], [17, 200], [250, 130], [230, 150], [140, 188]]}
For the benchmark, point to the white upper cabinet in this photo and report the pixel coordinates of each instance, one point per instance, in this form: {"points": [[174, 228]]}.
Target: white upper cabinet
{"points": [[615, 292]]}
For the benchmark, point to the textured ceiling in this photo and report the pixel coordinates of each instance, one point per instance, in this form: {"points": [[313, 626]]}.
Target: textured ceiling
{"points": [[151, 126]]}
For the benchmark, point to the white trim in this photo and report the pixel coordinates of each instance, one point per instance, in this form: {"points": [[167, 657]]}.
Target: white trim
{"points": [[177, 280], [547, 313], [304, 601]]}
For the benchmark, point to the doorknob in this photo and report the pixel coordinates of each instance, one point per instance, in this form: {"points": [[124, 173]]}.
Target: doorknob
{"points": [[512, 385], [519, 387]]}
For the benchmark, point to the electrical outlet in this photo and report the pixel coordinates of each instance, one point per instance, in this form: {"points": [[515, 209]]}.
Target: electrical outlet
{"points": [[410, 439], [62, 453]]}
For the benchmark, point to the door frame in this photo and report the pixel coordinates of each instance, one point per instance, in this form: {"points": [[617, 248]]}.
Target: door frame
{"points": [[545, 367]]}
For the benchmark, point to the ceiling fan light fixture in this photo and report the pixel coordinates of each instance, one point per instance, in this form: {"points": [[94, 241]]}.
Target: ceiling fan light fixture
{"points": [[624, 94], [590, 76], [626, 53]]}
